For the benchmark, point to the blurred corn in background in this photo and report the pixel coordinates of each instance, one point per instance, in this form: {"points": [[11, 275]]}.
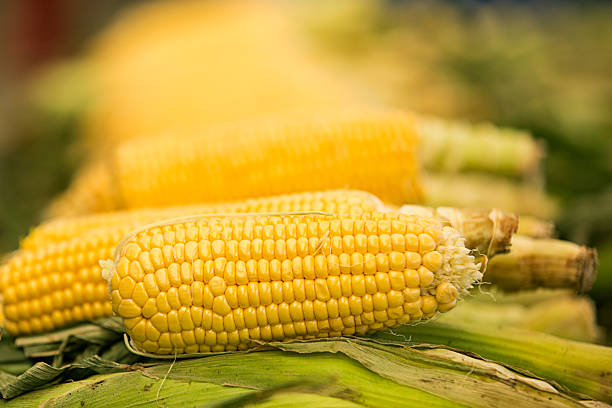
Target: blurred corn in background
{"points": [[113, 109]]}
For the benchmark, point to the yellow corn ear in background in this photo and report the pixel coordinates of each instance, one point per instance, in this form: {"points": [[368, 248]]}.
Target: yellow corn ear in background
{"points": [[164, 64], [372, 150], [216, 283]]}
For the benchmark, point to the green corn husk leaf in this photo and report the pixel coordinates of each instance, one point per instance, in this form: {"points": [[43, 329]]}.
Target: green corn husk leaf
{"points": [[563, 315], [361, 371], [581, 367]]}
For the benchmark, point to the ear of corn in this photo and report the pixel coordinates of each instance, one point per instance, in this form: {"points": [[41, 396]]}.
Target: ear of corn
{"points": [[368, 150], [219, 283]]}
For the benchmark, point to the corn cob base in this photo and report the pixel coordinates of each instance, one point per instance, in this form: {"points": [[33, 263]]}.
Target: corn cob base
{"points": [[220, 283]]}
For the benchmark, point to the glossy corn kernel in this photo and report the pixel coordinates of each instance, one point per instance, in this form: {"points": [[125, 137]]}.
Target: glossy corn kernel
{"points": [[281, 277]]}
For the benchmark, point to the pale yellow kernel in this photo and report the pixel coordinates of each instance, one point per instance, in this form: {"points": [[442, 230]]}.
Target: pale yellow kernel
{"points": [[395, 298], [426, 243], [174, 324], [383, 282], [275, 270], [184, 294], [186, 273], [432, 260], [184, 316], [207, 319], [322, 290], [308, 309], [397, 261], [276, 291], [309, 289], [445, 307], [250, 317], [265, 293], [288, 295], [150, 285], [345, 263], [382, 263], [358, 287], [272, 314], [308, 269], [429, 304], [179, 252], [219, 266], [380, 301], [174, 275], [426, 276], [220, 306], [361, 243], [131, 251], [446, 292], [217, 285], [218, 248], [173, 298], [164, 341], [177, 341], [262, 317], [380, 316], [149, 308], [312, 328], [128, 309], [319, 310], [162, 303], [242, 296], [138, 332], [140, 295], [370, 284], [320, 266], [284, 313], [297, 312], [126, 287], [263, 270], [367, 303], [367, 318]]}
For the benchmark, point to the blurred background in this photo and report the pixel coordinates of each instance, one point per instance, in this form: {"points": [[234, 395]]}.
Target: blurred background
{"points": [[78, 77]]}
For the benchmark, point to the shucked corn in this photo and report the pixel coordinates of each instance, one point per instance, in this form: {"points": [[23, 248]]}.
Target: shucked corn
{"points": [[372, 150], [56, 279], [216, 283]]}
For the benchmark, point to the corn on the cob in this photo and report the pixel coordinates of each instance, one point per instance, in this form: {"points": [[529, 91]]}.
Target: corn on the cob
{"points": [[373, 151], [534, 263], [217, 283]]}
